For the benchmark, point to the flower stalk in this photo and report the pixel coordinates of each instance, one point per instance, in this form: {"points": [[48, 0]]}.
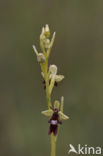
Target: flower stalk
{"points": [[50, 77], [53, 145]]}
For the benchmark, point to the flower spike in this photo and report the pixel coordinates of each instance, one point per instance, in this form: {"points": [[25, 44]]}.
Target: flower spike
{"points": [[50, 79]]}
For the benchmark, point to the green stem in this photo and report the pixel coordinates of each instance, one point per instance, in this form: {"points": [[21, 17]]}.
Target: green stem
{"points": [[53, 145], [48, 97], [51, 85], [44, 68]]}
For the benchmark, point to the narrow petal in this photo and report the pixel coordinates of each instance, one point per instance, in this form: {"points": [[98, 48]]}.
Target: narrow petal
{"points": [[35, 50]]}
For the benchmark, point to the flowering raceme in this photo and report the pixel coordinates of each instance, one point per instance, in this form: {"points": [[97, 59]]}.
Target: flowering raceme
{"points": [[50, 79]]}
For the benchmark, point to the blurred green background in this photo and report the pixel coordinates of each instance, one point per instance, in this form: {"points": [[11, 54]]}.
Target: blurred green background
{"points": [[78, 53]]}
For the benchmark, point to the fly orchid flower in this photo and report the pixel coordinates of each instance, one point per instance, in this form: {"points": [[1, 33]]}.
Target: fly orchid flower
{"points": [[53, 74], [55, 116], [53, 77], [40, 56]]}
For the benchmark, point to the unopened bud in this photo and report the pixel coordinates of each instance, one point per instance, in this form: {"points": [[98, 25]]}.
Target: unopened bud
{"points": [[46, 43], [47, 31], [42, 30], [41, 58]]}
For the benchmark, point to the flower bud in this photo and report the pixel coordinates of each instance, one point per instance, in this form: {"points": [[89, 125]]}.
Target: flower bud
{"points": [[47, 31], [42, 31], [42, 36], [40, 58], [46, 43]]}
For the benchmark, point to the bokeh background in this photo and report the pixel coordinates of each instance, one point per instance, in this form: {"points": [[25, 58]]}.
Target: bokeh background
{"points": [[78, 53]]}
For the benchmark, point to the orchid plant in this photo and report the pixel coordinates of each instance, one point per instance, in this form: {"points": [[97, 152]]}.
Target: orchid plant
{"points": [[51, 79]]}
